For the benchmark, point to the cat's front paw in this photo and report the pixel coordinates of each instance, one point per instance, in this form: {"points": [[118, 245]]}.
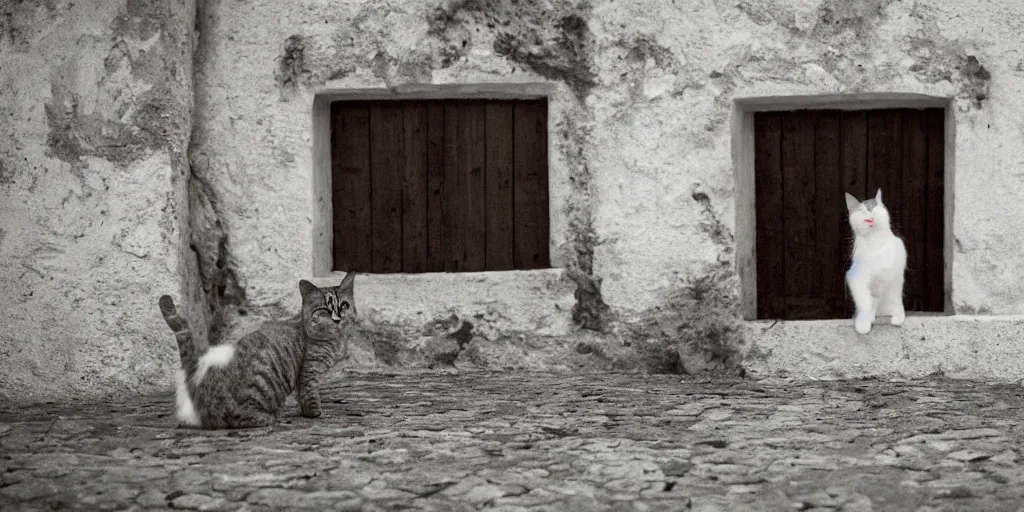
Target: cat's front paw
{"points": [[897, 319], [312, 411], [862, 324]]}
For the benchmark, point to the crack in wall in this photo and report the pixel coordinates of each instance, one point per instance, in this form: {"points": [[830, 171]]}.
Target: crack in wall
{"points": [[589, 311], [711, 224], [208, 240], [216, 290]]}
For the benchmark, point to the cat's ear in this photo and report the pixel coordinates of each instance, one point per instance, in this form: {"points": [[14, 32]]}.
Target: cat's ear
{"points": [[878, 196], [306, 287], [348, 283], [852, 203]]}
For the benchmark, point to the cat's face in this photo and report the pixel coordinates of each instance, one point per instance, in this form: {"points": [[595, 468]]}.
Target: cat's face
{"points": [[326, 312], [867, 216]]}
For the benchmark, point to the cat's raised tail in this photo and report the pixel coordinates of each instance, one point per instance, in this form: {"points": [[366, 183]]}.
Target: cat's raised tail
{"points": [[188, 349]]}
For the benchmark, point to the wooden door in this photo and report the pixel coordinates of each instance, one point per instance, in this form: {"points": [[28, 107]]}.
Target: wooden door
{"points": [[804, 161], [440, 186]]}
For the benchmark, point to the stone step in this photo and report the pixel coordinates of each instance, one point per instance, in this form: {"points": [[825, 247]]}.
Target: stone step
{"points": [[960, 346]]}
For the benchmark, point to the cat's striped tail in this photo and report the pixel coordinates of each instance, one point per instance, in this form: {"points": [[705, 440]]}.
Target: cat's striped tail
{"points": [[187, 347]]}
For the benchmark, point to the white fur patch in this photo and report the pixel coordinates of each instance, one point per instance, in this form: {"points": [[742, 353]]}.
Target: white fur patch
{"points": [[216, 357], [186, 410]]}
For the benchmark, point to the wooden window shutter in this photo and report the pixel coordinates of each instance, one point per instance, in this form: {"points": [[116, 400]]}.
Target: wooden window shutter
{"points": [[440, 186], [804, 161]]}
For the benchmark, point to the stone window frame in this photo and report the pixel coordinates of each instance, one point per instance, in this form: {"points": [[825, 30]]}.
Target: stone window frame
{"points": [[742, 134], [323, 210]]}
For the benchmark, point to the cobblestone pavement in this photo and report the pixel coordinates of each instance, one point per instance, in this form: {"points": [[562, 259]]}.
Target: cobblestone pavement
{"points": [[509, 441]]}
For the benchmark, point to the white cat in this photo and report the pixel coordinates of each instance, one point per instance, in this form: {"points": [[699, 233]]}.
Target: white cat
{"points": [[875, 278]]}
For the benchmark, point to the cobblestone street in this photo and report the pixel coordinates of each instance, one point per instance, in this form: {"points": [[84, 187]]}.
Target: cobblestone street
{"points": [[510, 441]]}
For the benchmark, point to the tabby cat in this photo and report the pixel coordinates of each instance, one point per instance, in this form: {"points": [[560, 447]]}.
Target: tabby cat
{"points": [[875, 278], [244, 384]]}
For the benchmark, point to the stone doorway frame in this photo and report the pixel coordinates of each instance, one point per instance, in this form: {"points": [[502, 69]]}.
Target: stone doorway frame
{"points": [[742, 132], [322, 229]]}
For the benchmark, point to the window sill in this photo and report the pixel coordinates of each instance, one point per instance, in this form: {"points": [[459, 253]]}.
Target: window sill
{"points": [[538, 301]]}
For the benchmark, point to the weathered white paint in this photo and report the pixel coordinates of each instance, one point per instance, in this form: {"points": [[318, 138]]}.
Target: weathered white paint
{"points": [[676, 86], [96, 115], [91, 242]]}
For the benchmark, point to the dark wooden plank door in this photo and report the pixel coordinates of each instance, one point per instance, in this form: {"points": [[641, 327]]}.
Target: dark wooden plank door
{"points": [[914, 222], [350, 185], [433, 186], [454, 203], [414, 187], [853, 128], [436, 254], [500, 217], [771, 268], [885, 161], [472, 153], [803, 273], [531, 186], [935, 261], [830, 213], [804, 161], [386, 156]]}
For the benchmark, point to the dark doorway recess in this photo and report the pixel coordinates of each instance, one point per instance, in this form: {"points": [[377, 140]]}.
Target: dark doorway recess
{"points": [[804, 161]]}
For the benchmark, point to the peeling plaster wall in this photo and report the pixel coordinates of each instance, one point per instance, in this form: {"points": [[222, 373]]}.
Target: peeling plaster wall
{"points": [[643, 188], [107, 201], [674, 124], [95, 108], [252, 153]]}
